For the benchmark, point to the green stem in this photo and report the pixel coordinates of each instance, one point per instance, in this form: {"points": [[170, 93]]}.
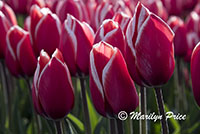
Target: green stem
{"points": [[112, 126], [160, 103], [35, 116], [59, 128], [6, 92], [120, 127], [143, 110], [85, 106]]}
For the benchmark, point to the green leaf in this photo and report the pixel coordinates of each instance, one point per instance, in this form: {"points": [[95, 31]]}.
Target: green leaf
{"points": [[174, 123], [76, 121], [94, 118]]}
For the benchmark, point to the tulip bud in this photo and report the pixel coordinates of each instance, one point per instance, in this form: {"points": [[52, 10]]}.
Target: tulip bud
{"points": [[19, 57], [111, 92], [150, 51], [111, 33], [75, 8], [192, 40], [122, 19], [52, 93], [19, 6], [180, 40], [193, 23], [27, 24], [45, 30], [8, 12], [76, 42], [4, 27], [195, 73], [174, 7], [103, 11], [156, 6]]}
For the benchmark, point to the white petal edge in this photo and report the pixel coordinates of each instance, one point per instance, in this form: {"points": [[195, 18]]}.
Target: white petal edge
{"points": [[94, 73]]}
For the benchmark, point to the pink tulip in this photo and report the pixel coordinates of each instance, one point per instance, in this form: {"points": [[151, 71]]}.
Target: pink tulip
{"points": [[111, 86], [122, 19], [174, 7], [156, 6], [111, 33], [8, 12], [19, 57], [76, 42], [75, 8], [195, 73], [4, 27], [192, 40], [150, 51], [52, 93], [45, 29], [180, 40], [102, 12]]}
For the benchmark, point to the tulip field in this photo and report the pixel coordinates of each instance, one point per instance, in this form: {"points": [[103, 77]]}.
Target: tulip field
{"points": [[99, 66]]}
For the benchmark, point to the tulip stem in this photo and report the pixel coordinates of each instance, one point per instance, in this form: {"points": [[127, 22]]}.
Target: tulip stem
{"points": [[6, 92], [143, 109], [85, 106], [36, 117], [120, 127], [59, 128], [112, 126], [160, 103]]}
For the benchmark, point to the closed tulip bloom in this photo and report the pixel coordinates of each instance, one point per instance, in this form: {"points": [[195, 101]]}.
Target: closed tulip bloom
{"points": [[102, 12], [111, 86], [195, 73], [75, 8], [122, 19], [8, 12], [180, 40], [4, 27], [150, 51], [52, 93], [19, 6], [111, 33], [174, 7], [76, 42], [19, 57], [45, 30]]}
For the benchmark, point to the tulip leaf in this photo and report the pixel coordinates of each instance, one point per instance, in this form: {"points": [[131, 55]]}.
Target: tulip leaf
{"points": [[70, 128], [94, 118], [174, 123], [76, 121]]}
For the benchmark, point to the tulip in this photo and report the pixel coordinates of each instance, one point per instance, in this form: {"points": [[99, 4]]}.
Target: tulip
{"points": [[195, 73], [8, 12], [180, 41], [111, 33], [27, 23], [75, 8], [19, 6], [19, 57], [174, 7], [76, 42], [102, 12], [52, 93], [192, 40], [150, 51], [156, 6], [4, 27], [45, 29], [193, 23], [111, 92], [122, 19]]}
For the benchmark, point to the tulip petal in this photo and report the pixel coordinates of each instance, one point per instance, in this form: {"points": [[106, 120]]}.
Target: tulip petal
{"points": [[195, 73], [121, 96], [26, 56]]}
